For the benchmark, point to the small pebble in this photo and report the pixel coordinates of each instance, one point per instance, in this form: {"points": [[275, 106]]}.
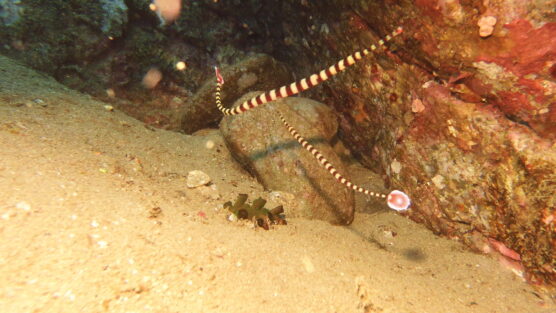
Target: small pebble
{"points": [[218, 252], [438, 181], [389, 233], [23, 206], [197, 178], [209, 192], [396, 166], [309, 267], [69, 294], [232, 218], [40, 102], [209, 144], [7, 215]]}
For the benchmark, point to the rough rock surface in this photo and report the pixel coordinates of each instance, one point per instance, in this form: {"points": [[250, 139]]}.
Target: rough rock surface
{"points": [[10, 11], [105, 48], [460, 116], [134, 238], [52, 35], [257, 72], [260, 141]]}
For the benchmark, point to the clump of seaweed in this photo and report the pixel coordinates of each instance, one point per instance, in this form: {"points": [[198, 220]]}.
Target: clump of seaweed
{"points": [[256, 212]]}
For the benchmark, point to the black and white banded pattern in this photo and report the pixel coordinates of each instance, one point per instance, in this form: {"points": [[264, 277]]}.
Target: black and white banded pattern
{"points": [[324, 162], [396, 200], [299, 86]]}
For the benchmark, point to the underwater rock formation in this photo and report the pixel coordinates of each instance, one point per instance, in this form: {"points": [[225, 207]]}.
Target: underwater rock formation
{"points": [[10, 11], [252, 73], [114, 17], [55, 35], [105, 48], [461, 116], [260, 142], [460, 112]]}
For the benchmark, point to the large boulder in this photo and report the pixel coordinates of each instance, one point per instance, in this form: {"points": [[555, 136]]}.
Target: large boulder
{"points": [[255, 72], [259, 140]]}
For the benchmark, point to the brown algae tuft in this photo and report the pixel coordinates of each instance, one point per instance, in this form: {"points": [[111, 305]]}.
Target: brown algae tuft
{"points": [[256, 212]]}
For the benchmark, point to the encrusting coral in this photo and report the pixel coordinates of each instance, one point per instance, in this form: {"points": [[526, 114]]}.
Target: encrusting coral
{"points": [[396, 200]]}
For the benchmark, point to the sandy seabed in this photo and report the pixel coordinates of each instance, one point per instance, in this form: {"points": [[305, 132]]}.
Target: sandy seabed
{"points": [[95, 216]]}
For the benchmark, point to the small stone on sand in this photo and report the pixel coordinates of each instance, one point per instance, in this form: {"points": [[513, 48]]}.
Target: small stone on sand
{"points": [[197, 178]]}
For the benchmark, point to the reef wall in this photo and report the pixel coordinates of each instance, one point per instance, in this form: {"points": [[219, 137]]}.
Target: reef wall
{"points": [[460, 113]]}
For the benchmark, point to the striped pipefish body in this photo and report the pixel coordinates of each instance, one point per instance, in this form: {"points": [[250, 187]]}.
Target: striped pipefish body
{"points": [[396, 200], [299, 86]]}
